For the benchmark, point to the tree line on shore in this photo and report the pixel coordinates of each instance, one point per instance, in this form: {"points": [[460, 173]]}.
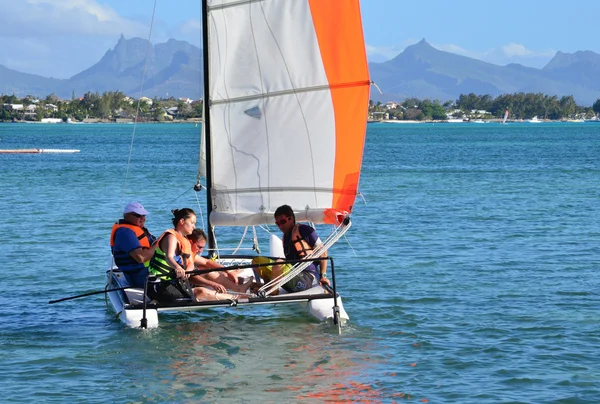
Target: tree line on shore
{"points": [[109, 106], [519, 105], [112, 105]]}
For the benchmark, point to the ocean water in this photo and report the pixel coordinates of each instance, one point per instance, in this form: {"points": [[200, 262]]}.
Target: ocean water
{"points": [[470, 274]]}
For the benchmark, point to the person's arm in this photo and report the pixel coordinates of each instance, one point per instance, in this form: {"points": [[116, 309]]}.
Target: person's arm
{"points": [[127, 241], [142, 254], [323, 269], [202, 281], [322, 263], [151, 237], [169, 242], [202, 262]]}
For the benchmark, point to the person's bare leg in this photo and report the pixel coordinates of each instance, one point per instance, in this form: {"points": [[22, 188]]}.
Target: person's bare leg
{"points": [[204, 294], [222, 279], [277, 269]]}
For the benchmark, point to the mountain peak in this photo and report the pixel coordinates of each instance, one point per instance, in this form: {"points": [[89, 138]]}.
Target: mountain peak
{"points": [[422, 44], [420, 48], [563, 60]]}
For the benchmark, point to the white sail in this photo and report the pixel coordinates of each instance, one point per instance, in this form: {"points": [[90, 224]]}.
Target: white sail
{"points": [[289, 91]]}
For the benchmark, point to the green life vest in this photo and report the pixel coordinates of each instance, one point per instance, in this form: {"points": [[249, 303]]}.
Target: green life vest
{"points": [[159, 265]]}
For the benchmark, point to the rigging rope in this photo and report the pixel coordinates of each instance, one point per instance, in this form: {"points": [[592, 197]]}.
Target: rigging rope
{"points": [[200, 210], [241, 240], [137, 113]]}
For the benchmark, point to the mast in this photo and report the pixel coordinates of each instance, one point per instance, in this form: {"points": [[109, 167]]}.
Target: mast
{"points": [[206, 124]]}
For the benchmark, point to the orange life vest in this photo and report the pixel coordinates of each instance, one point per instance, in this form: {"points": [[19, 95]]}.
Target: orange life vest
{"points": [[159, 264], [122, 258], [139, 233], [300, 244]]}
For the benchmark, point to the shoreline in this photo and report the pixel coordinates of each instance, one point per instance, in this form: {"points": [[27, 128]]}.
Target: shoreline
{"points": [[106, 121], [499, 121], [199, 120]]}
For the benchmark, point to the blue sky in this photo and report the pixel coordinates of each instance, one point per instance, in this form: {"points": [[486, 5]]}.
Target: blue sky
{"points": [[59, 38]]}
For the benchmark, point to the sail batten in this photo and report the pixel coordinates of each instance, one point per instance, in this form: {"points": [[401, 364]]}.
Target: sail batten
{"points": [[230, 3], [288, 92], [288, 104], [329, 191]]}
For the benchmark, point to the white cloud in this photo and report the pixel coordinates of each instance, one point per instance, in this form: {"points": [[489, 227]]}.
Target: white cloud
{"points": [[515, 49], [382, 53], [518, 53], [191, 27], [190, 30], [39, 18], [102, 13], [452, 48], [60, 38], [503, 55]]}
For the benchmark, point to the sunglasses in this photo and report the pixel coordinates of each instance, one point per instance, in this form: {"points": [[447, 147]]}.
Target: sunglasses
{"points": [[200, 246], [137, 215], [281, 222]]}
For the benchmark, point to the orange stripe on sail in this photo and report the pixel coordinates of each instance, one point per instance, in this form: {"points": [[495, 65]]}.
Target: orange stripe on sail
{"points": [[339, 33]]}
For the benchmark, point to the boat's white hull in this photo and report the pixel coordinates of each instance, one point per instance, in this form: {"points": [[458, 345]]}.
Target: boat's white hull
{"points": [[121, 299], [129, 308]]}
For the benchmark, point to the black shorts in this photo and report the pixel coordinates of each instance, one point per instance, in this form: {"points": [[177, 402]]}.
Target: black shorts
{"points": [[304, 280], [167, 292]]}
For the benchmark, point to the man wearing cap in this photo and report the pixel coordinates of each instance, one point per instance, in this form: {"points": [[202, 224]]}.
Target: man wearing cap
{"points": [[132, 244]]}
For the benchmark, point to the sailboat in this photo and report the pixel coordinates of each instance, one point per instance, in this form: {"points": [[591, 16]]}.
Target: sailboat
{"points": [[505, 117], [286, 94]]}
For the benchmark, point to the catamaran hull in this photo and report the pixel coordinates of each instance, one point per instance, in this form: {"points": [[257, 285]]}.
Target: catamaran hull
{"points": [[134, 318], [128, 304], [121, 299]]}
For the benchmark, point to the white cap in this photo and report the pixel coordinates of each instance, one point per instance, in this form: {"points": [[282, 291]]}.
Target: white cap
{"points": [[135, 207]]}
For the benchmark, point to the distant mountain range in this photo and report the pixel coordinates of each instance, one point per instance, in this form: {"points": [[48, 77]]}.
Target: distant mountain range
{"points": [[174, 68], [422, 71]]}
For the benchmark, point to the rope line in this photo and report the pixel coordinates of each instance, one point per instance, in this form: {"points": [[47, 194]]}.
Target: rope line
{"points": [[200, 210], [137, 113], [241, 240]]}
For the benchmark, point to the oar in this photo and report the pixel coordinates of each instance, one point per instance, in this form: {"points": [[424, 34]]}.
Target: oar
{"points": [[88, 294]]}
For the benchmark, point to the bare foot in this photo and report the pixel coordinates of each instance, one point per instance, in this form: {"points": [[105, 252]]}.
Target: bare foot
{"points": [[255, 286], [245, 286]]}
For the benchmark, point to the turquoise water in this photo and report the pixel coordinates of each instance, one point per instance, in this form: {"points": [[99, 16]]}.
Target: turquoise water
{"points": [[470, 274]]}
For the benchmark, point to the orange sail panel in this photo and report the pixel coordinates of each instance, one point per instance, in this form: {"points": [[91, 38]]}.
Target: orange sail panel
{"points": [[339, 31]]}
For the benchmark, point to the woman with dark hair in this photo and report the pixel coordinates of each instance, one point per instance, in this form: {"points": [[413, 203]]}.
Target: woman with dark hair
{"points": [[173, 256]]}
